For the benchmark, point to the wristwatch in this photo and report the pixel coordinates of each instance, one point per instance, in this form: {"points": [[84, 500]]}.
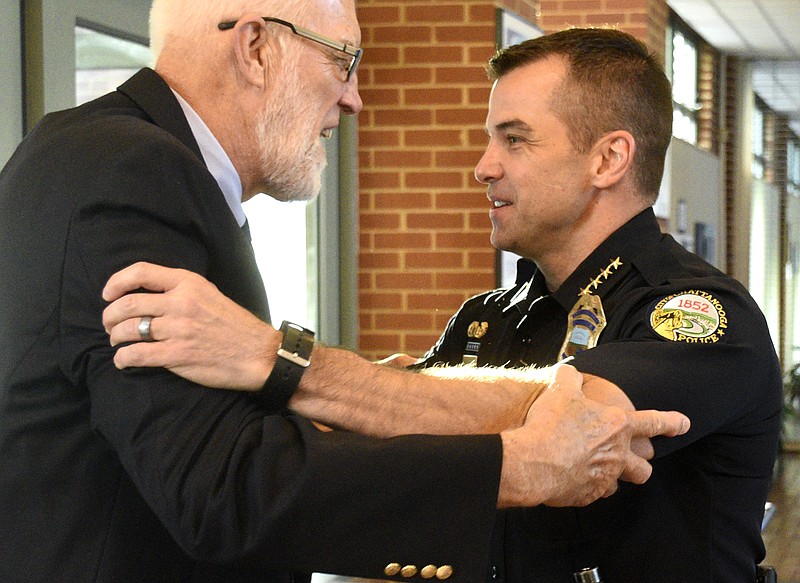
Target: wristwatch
{"points": [[294, 356]]}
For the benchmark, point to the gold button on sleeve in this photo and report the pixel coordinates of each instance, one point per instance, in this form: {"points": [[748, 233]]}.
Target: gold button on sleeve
{"points": [[392, 569], [409, 571], [428, 572], [444, 572]]}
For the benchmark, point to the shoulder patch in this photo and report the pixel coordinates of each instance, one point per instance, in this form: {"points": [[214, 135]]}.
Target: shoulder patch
{"points": [[692, 316]]}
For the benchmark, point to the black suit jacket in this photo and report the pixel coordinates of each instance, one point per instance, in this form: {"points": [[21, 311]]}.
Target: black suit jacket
{"points": [[138, 475]]}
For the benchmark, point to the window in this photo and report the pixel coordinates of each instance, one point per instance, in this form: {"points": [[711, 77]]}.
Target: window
{"points": [[793, 166], [683, 73], [758, 164], [104, 61]]}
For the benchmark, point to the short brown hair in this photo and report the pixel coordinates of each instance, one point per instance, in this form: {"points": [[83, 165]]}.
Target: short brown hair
{"points": [[612, 83]]}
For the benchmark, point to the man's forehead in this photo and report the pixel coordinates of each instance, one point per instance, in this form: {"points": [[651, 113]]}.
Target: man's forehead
{"points": [[337, 19], [525, 89]]}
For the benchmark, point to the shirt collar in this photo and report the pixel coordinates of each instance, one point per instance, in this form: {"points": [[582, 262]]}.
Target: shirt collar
{"points": [[606, 265], [217, 161]]}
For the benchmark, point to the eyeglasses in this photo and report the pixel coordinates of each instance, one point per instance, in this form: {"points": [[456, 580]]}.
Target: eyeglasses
{"points": [[351, 51]]}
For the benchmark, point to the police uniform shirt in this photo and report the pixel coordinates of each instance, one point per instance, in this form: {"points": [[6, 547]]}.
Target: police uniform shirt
{"points": [[680, 335]]}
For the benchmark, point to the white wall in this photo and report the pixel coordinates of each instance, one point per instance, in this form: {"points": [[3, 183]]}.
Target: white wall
{"points": [[10, 80], [50, 28], [691, 194]]}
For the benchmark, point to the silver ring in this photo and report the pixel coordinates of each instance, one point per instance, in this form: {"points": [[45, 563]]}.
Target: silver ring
{"points": [[144, 328]]}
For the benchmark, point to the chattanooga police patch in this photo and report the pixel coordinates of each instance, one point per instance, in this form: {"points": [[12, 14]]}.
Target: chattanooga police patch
{"points": [[690, 316]]}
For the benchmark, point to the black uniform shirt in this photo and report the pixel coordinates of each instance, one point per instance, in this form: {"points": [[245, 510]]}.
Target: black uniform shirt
{"points": [[680, 335]]}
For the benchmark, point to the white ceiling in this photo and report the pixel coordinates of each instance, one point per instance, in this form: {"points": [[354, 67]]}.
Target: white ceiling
{"points": [[764, 31]]}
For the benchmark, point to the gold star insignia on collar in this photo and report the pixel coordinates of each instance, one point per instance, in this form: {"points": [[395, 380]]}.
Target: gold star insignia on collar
{"points": [[604, 275]]}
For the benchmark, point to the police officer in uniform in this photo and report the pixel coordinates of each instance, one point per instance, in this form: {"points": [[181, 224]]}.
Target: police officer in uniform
{"points": [[579, 123]]}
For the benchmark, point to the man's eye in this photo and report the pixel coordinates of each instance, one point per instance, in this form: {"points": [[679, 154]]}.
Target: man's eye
{"points": [[513, 140]]}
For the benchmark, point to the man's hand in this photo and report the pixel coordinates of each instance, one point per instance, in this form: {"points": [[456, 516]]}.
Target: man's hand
{"points": [[198, 333], [572, 449]]}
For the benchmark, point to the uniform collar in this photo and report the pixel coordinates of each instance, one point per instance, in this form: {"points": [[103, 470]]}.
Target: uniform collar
{"points": [[606, 266]]}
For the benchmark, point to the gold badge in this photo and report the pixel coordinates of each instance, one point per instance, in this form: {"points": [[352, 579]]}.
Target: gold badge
{"points": [[585, 322], [477, 329], [692, 316]]}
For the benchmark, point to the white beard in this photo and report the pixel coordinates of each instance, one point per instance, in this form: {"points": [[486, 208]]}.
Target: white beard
{"points": [[292, 156]]}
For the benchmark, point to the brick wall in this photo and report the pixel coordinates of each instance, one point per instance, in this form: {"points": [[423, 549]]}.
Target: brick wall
{"points": [[424, 223]]}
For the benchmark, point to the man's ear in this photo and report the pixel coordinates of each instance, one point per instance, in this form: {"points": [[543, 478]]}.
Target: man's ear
{"points": [[612, 158], [249, 39]]}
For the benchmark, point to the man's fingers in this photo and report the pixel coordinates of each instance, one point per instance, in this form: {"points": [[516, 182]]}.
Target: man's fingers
{"points": [[637, 470], [142, 275], [653, 423], [642, 447], [566, 378], [121, 318], [127, 330], [140, 354]]}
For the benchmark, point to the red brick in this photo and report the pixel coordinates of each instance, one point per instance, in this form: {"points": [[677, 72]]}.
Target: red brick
{"points": [[403, 117], [379, 179], [462, 116], [403, 241], [404, 159], [458, 158], [482, 13], [625, 5], [374, 260], [402, 34], [377, 342], [418, 344], [435, 12], [377, 56], [434, 301], [482, 260], [473, 281], [377, 301], [605, 19], [403, 200], [477, 138], [465, 34], [579, 5], [462, 200], [404, 76], [369, 15], [468, 240], [370, 138], [373, 221], [434, 180], [433, 96], [478, 95], [479, 57], [402, 281], [432, 55], [435, 220], [403, 321], [443, 319], [480, 220], [445, 260], [433, 138], [365, 321], [365, 243], [461, 75]]}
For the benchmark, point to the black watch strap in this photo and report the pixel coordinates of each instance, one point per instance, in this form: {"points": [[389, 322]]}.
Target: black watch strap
{"points": [[294, 356]]}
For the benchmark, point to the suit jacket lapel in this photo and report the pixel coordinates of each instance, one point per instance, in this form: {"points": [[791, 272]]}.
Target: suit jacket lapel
{"points": [[151, 93]]}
